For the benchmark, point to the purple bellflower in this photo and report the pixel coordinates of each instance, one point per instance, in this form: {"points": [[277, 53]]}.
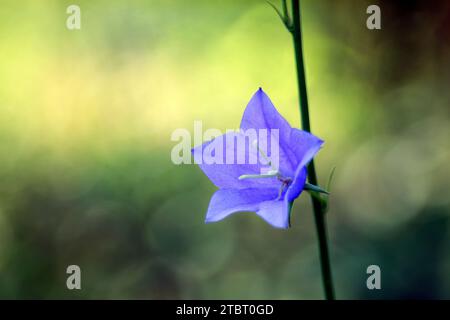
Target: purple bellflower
{"points": [[246, 186]]}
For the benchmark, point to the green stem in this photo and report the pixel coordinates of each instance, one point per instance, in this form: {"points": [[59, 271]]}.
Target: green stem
{"points": [[319, 215]]}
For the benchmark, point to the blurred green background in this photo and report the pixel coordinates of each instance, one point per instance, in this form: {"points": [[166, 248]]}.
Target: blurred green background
{"points": [[86, 177]]}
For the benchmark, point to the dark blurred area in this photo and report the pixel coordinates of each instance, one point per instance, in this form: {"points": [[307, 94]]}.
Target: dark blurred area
{"points": [[85, 170]]}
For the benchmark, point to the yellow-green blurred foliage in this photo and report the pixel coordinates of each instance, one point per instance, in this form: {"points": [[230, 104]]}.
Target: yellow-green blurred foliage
{"points": [[85, 172]]}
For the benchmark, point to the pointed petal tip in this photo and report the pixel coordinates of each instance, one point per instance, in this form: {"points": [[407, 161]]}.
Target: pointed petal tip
{"points": [[261, 91], [286, 227], [211, 219], [208, 219], [279, 227], [320, 144]]}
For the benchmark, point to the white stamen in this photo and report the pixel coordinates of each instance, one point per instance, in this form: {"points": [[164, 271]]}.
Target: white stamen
{"points": [[269, 174], [263, 154]]}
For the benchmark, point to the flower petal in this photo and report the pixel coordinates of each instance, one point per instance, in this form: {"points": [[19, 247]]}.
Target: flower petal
{"points": [[297, 184], [304, 145], [261, 114], [225, 202], [230, 156], [275, 213]]}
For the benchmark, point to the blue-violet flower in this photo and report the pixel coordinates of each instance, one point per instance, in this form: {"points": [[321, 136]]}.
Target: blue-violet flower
{"points": [[245, 186]]}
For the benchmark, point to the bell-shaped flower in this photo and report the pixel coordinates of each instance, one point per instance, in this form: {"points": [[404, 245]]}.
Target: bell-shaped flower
{"points": [[256, 173]]}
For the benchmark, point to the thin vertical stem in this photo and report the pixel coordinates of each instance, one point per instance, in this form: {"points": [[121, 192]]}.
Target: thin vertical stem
{"points": [[319, 215]]}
